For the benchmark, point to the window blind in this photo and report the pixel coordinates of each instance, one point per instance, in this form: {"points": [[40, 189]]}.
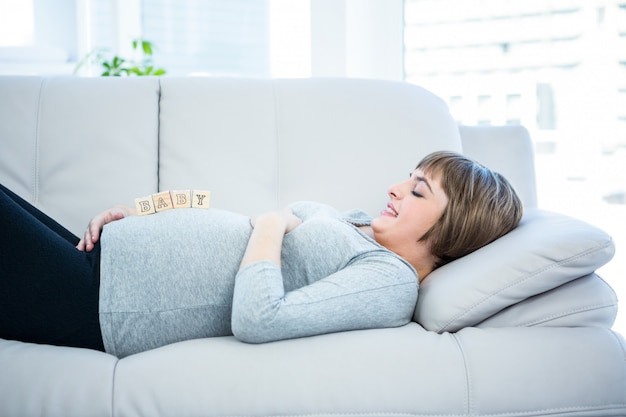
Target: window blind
{"points": [[217, 37]]}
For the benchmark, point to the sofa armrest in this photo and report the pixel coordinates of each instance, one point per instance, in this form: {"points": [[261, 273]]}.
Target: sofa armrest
{"points": [[587, 301]]}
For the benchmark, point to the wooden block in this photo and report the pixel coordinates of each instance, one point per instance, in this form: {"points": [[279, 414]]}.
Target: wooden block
{"points": [[144, 205], [201, 199], [162, 201], [181, 198]]}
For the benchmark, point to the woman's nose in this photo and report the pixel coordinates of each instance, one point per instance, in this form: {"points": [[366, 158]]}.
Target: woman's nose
{"points": [[400, 189], [395, 191]]}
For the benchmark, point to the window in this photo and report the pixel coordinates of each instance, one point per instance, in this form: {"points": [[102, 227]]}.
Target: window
{"points": [[100, 29], [37, 36], [484, 110], [513, 109], [209, 37], [256, 38], [545, 107], [16, 23]]}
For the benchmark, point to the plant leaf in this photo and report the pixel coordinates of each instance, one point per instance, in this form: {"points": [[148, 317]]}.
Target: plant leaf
{"points": [[116, 66], [118, 62], [147, 47]]}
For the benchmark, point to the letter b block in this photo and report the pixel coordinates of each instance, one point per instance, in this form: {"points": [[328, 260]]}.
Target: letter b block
{"points": [[181, 198], [144, 206]]}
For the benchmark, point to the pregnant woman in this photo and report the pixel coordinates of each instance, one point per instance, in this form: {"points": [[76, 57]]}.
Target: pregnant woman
{"points": [[146, 281]]}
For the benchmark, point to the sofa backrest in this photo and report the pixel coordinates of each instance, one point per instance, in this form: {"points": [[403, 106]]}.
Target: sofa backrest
{"points": [[75, 146]]}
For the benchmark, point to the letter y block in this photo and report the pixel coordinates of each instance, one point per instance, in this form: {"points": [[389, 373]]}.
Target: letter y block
{"points": [[201, 199]]}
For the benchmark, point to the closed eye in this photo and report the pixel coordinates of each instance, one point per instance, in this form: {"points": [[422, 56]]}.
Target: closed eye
{"points": [[416, 194], [421, 179]]}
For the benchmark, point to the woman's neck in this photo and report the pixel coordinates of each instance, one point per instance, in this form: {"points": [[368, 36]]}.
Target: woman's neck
{"points": [[419, 258]]}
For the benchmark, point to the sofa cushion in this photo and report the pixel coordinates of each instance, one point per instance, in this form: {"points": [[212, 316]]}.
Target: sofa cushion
{"points": [[44, 380], [545, 251], [403, 371]]}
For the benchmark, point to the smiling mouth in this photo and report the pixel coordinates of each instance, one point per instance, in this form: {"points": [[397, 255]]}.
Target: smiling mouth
{"points": [[390, 210]]}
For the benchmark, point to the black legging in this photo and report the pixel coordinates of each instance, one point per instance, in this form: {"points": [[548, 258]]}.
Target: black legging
{"points": [[48, 288]]}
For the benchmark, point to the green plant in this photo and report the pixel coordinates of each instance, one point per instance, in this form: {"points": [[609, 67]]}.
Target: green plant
{"points": [[117, 66]]}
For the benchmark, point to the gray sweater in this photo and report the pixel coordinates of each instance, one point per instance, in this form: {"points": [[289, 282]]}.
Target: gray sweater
{"points": [[175, 276]]}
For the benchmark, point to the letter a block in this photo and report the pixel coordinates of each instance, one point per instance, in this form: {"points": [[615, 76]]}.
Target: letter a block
{"points": [[181, 198], [162, 201], [201, 199], [144, 206]]}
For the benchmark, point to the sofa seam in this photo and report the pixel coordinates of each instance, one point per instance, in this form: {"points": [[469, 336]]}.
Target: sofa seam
{"points": [[277, 136], [468, 381], [525, 279], [620, 343], [36, 158], [559, 410], [566, 313], [158, 133], [113, 384]]}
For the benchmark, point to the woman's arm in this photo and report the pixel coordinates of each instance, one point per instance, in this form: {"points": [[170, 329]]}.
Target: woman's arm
{"points": [[94, 228], [375, 291]]}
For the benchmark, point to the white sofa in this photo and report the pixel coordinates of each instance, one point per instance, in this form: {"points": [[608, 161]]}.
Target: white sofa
{"points": [[518, 328]]}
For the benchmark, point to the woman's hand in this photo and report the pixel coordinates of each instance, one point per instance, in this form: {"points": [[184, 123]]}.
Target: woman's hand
{"points": [[266, 240], [290, 220], [94, 228]]}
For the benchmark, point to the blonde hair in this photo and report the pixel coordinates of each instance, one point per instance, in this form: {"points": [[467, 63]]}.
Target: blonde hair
{"points": [[482, 206]]}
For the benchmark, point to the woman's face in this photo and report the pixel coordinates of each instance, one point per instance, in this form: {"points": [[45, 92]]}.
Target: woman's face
{"points": [[415, 206]]}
